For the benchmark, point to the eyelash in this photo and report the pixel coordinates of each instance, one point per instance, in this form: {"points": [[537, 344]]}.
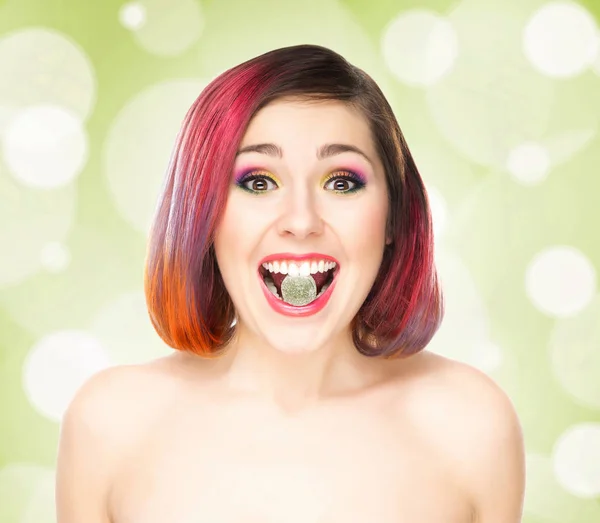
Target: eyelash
{"points": [[349, 175]]}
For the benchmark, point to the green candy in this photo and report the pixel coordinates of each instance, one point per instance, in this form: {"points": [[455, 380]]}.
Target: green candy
{"points": [[298, 290]]}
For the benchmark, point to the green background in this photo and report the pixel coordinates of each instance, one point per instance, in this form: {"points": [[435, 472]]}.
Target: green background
{"points": [[499, 101]]}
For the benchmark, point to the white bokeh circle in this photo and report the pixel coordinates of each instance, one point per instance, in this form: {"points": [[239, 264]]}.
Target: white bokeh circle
{"points": [[42, 504], [547, 500], [136, 174], [487, 357], [560, 39], [528, 163], [55, 257], [576, 460], [38, 66], [45, 146], [132, 15], [466, 318], [164, 28], [575, 357], [560, 281], [419, 47], [55, 368], [21, 485], [126, 332]]}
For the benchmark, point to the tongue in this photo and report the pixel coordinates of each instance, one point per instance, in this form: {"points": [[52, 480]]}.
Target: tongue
{"points": [[320, 279]]}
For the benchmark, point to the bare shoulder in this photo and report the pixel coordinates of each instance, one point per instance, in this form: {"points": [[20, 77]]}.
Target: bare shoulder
{"points": [[95, 428], [466, 389], [122, 400], [472, 423]]}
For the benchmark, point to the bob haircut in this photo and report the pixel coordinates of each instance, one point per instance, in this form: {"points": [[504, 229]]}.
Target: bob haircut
{"points": [[187, 301]]}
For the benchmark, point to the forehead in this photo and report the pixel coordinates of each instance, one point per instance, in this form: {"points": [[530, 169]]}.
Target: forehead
{"points": [[310, 122]]}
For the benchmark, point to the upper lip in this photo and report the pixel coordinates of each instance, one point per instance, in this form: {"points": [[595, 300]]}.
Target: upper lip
{"points": [[297, 257]]}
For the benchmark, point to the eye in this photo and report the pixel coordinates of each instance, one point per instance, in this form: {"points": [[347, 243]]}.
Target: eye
{"points": [[338, 182], [255, 183], [341, 179]]}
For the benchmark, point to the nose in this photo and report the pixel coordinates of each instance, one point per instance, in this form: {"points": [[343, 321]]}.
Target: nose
{"points": [[300, 215]]}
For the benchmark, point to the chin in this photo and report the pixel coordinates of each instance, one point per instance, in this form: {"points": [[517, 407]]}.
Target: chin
{"points": [[295, 348]]}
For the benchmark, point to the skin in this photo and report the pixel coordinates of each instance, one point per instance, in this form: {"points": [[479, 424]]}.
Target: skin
{"points": [[293, 424]]}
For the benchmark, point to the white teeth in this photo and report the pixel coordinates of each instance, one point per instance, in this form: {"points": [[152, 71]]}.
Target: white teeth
{"points": [[325, 287], [299, 268], [272, 288], [305, 269]]}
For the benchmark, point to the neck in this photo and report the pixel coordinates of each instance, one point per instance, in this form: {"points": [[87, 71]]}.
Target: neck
{"points": [[295, 381]]}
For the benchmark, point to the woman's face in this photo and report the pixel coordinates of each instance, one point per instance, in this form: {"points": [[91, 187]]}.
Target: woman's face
{"points": [[333, 206]]}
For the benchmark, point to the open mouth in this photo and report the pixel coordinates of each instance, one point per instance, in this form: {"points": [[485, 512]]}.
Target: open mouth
{"points": [[322, 280]]}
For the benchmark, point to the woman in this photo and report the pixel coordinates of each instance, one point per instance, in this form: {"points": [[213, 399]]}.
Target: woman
{"points": [[291, 266]]}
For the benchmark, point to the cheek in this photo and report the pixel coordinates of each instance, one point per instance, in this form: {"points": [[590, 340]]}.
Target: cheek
{"points": [[229, 249], [236, 232], [366, 227]]}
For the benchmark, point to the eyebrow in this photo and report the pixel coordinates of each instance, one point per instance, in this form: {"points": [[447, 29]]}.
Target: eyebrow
{"points": [[325, 151]]}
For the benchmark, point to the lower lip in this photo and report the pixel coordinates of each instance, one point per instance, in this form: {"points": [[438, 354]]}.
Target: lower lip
{"points": [[290, 310]]}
